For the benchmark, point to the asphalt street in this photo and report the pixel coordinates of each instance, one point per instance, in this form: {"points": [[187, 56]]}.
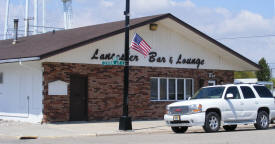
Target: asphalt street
{"points": [[246, 135]]}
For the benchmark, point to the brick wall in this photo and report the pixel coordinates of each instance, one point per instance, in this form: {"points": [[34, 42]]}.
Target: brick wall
{"points": [[105, 89]]}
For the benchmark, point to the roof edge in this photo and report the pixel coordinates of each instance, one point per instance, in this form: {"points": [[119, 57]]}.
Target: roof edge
{"points": [[224, 47], [19, 60]]}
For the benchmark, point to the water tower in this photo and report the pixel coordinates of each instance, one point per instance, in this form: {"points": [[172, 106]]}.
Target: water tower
{"points": [[67, 5]]}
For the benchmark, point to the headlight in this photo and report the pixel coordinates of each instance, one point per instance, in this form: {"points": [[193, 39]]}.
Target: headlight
{"points": [[196, 108]]}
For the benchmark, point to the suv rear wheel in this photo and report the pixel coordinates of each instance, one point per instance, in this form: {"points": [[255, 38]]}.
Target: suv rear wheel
{"points": [[262, 121], [181, 129], [212, 122], [230, 127]]}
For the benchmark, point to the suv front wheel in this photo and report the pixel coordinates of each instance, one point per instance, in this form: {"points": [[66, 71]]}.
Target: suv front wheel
{"points": [[212, 122], [262, 121]]}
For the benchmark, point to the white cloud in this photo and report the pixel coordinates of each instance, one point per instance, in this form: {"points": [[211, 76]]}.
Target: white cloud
{"points": [[186, 4], [106, 3], [151, 5]]}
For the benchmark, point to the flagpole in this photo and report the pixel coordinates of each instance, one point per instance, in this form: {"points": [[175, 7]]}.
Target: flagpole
{"points": [[125, 122]]}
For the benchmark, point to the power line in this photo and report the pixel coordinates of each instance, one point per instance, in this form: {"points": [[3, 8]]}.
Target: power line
{"points": [[246, 37]]}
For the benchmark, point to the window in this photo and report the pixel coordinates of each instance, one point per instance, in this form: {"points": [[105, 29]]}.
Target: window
{"points": [[1, 77], [263, 92], [247, 92], [189, 88], [234, 91], [163, 89], [209, 93], [180, 89], [154, 89], [171, 89]]}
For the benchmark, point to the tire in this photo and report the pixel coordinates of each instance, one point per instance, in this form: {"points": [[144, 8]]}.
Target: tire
{"points": [[212, 122], [262, 121], [181, 129], [229, 127]]}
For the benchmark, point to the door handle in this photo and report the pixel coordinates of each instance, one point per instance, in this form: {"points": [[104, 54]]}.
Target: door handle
{"points": [[241, 103], [256, 102]]}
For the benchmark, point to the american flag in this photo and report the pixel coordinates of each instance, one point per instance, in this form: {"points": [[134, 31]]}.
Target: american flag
{"points": [[140, 45]]}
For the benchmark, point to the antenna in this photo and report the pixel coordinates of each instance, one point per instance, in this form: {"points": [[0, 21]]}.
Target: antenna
{"points": [[67, 5], [6, 19], [35, 16], [44, 19], [26, 18]]}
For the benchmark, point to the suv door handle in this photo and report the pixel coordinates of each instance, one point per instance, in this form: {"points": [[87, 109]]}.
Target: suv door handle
{"points": [[241, 103], [256, 102]]}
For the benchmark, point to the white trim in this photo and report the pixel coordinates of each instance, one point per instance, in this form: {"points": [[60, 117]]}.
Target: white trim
{"points": [[193, 86], [158, 88], [184, 96], [19, 60]]}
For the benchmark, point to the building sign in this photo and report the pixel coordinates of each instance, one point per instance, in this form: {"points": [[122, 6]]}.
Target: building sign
{"points": [[153, 57]]}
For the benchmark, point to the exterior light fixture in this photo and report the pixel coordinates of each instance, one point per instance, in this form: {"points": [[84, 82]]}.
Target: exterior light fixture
{"points": [[153, 27]]}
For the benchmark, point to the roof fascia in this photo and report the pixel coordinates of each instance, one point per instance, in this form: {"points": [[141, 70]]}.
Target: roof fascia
{"points": [[19, 60]]}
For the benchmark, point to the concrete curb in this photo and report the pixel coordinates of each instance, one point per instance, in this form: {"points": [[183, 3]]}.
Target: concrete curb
{"points": [[95, 134]]}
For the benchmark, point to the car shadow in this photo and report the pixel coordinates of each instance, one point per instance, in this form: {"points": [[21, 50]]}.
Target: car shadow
{"points": [[237, 130]]}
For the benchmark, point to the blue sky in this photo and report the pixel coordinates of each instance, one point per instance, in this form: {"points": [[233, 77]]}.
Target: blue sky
{"points": [[216, 18]]}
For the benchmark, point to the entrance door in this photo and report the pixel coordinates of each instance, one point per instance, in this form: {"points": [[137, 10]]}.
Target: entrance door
{"points": [[78, 98], [233, 109]]}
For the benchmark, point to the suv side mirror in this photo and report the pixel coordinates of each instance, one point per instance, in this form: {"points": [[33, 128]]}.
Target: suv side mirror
{"points": [[229, 96]]}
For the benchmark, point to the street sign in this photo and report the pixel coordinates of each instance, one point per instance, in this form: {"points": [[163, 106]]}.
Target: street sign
{"points": [[116, 61]]}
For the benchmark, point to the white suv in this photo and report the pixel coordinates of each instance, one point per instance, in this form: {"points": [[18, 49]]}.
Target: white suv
{"points": [[226, 105]]}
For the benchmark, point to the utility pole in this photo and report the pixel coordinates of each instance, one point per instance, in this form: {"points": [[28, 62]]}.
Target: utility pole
{"points": [[125, 122]]}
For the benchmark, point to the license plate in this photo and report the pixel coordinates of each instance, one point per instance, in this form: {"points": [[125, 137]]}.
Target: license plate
{"points": [[176, 118]]}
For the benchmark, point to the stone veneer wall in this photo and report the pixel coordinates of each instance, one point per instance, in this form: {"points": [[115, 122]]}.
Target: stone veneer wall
{"points": [[105, 89]]}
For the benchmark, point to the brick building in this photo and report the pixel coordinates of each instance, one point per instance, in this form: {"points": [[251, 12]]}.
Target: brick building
{"points": [[59, 76]]}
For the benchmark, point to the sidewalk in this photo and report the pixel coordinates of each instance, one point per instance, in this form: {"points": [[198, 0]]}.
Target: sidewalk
{"points": [[74, 129]]}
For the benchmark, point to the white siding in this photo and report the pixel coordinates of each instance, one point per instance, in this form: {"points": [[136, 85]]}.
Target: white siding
{"points": [[21, 91], [165, 41]]}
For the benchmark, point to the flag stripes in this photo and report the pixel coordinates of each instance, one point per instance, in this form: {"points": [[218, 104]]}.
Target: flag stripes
{"points": [[140, 45]]}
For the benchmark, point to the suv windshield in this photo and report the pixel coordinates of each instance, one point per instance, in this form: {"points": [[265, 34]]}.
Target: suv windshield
{"points": [[209, 93]]}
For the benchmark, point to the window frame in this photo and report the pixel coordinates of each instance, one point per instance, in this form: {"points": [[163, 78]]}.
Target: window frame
{"points": [[1, 77], [176, 88]]}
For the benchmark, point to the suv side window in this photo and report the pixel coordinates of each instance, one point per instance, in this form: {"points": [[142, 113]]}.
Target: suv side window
{"points": [[263, 92], [247, 92], [233, 90]]}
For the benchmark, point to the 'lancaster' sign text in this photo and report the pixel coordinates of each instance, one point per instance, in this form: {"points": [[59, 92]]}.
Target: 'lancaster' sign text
{"points": [[152, 58]]}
